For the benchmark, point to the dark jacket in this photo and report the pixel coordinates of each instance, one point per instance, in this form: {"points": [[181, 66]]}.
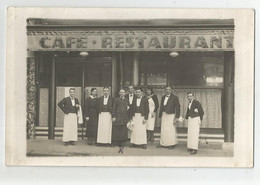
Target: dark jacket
{"points": [[172, 106], [144, 107], [109, 104], [191, 113], [120, 111], [127, 96], [66, 105]]}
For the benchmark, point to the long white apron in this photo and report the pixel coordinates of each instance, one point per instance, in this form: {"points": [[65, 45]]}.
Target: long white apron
{"points": [[138, 135], [168, 130], [70, 128], [104, 134], [193, 133], [150, 121]]}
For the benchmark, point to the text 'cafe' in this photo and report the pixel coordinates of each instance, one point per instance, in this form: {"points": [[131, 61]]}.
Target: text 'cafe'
{"points": [[189, 55]]}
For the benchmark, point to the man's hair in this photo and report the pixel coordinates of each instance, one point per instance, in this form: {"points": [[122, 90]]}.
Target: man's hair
{"points": [[72, 89], [168, 86], [106, 88], [138, 88], [121, 90], [151, 89], [189, 93], [93, 89]]}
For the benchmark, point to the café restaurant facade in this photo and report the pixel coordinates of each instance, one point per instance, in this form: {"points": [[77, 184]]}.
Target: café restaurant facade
{"points": [[189, 55]]}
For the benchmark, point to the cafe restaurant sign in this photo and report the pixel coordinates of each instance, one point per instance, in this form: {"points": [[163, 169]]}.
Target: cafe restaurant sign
{"points": [[130, 40]]}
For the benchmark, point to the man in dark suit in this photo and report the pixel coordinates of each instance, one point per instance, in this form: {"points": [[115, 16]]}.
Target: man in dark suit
{"points": [[105, 107], [131, 96], [169, 111], [140, 111], [194, 115], [70, 106]]}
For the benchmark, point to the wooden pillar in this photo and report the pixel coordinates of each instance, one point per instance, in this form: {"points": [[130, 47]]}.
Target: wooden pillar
{"points": [[136, 70], [52, 102], [228, 116], [115, 75]]}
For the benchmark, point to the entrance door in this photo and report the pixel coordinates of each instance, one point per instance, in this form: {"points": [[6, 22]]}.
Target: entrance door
{"points": [[81, 75]]}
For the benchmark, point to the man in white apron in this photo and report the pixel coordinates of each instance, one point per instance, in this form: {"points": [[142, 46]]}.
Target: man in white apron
{"points": [[140, 111], [153, 107], [169, 111], [105, 106], [194, 116], [70, 106]]}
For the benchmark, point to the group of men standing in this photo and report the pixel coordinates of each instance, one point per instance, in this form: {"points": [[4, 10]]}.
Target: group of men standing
{"points": [[109, 119]]}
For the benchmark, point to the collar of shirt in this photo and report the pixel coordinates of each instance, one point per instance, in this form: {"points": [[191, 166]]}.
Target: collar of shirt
{"points": [[72, 98], [91, 96], [139, 97], [106, 96], [168, 96], [131, 95]]}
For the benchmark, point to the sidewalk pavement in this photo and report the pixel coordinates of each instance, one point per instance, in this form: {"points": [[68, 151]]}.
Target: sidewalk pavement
{"points": [[43, 147]]}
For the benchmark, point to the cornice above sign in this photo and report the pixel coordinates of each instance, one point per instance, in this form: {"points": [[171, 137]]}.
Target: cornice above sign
{"points": [[131, 40]]}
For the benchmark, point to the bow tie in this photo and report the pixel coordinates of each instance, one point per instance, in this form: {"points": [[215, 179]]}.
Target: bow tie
{"points": [[105, 96], [130, 95], [168, 96]]}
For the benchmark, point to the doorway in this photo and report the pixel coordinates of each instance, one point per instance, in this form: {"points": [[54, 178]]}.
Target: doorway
{"points": [[81, 75]]}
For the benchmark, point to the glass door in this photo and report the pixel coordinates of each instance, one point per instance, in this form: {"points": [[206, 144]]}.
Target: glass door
{"points": [[68, 75], [81, 75]]}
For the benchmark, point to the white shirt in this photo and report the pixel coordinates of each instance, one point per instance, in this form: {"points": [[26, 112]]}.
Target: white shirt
{"points": [[131, 98], [138, 101], [166, 99], [190, 104], [72, 101], [105, 100]]}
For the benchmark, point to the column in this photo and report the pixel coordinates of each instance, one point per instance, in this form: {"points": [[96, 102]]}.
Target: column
{"points": [[136, 70], [115, 76], [52, 104], [31, 95], [228, 116]]}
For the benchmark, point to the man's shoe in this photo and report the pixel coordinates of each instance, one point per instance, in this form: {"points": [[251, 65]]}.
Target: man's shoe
{"points": [[159, 146], [144, 146], [66, 144], [193, 152], [72, 143]]}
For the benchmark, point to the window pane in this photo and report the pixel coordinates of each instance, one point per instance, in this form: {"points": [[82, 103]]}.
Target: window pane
{"points": [[69, 74]]}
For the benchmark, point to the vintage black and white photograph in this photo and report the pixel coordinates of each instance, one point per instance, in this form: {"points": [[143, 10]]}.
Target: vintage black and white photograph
{"points": [[132, 87]]}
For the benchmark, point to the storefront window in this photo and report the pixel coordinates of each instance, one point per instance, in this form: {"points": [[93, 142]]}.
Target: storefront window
{"points": [[153, 71], [197, 69], [188, 69]]}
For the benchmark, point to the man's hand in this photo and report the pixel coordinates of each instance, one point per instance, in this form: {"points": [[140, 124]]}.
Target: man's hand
{"points": [[153, 114], [144, 121], [113, 119], [127, 107], [87, 118], [196, 110], [77, 105]]}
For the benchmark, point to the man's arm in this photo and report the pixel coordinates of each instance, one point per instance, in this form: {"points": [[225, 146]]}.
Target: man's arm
{"points": [[200, 109], [61, 105], [161, 107], [178, 109]]}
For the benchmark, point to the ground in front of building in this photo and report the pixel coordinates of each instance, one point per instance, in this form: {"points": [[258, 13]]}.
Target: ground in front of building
{"points": [[43, 147]]}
